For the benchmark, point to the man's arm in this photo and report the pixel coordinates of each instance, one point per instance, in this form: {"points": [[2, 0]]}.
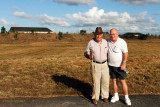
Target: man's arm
{"points": [[123, 66], [88, 53]]}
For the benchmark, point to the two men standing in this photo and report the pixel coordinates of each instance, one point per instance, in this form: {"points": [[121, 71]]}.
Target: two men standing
{"points": [[115, 50]]}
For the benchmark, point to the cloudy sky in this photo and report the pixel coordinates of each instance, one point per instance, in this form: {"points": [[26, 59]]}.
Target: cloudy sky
{"points": [[73, 15]]}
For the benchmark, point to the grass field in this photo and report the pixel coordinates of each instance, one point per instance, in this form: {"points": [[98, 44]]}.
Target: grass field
{"points": [[47, 69]]}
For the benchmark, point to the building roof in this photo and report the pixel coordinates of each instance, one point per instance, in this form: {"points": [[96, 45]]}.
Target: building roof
{"points": [[29, 29], [133, 33]]}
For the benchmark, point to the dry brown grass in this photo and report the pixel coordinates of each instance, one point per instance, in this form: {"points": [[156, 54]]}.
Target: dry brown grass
{"points": [[47, 69], [28, 37]]}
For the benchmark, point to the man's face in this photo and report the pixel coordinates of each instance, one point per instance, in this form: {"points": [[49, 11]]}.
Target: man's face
{"points": [[99, 37], [114, 35]]}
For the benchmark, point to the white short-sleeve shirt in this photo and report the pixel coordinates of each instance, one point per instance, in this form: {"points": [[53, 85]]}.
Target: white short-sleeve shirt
{"points": [[115, 52], [99, 50]]}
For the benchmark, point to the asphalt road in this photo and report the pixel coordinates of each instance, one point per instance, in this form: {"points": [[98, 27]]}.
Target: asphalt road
{"points": [[79, 101]]}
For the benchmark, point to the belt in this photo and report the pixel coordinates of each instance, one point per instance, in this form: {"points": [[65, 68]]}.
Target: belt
{"points": [[100, 62]]}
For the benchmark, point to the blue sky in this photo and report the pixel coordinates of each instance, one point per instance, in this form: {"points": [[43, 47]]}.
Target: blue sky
{"points": [[73, 15]]}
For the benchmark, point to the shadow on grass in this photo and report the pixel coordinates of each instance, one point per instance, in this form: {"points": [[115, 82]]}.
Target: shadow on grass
{"points": [[84, 88]]}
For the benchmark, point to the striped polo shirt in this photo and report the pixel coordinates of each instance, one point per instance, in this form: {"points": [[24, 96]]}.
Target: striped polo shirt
{"points": [[99, 50]]}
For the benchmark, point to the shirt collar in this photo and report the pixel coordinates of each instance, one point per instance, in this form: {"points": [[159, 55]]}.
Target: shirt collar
{"points": [[97, 41], [116, 41]]}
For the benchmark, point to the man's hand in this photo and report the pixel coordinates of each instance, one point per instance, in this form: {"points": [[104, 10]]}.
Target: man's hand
{"points": [[91, 56], [88, 56], [123, 66]]}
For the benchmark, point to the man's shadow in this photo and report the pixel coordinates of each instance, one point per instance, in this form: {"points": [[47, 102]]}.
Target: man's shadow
{"points": [[84, 88]]}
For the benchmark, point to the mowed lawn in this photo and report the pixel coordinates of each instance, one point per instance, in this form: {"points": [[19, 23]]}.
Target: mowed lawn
{"points": [[47, 69]]}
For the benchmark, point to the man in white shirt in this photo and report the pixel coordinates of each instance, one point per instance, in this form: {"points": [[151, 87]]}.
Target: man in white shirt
{"points": [[117, 57], [99, 52]]}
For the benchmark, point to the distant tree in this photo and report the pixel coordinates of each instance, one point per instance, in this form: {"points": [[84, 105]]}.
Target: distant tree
{"points": [[82, 32], [148, 34], [15, 31], [3, 29], [107, 33], [16, 35], [156, 35], [143, 37], [48, 32], [60, 35], [32, 31]]}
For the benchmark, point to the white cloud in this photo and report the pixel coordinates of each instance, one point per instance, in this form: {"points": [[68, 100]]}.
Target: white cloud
{"points": [[92, 17], [122, 21], [22, 15], [76, 2], [139, 2], [43, 19], [5, 22], [98, 17]]}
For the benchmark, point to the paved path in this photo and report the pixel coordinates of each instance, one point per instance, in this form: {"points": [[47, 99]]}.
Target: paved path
{"points": [[79, 101]]}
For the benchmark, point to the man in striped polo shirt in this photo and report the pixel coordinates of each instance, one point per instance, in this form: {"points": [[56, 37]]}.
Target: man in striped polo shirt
{"points": [[101, 71]]}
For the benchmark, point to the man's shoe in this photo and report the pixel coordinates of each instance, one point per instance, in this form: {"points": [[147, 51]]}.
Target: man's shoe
{"points": [[128, 101], [94, 101], [105, 100], [114, 99]]}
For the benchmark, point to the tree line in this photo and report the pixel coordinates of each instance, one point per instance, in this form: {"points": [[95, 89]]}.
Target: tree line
{"points": [[83, 32]]}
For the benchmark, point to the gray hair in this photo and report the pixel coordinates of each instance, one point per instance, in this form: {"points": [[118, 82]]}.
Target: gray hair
{"points": [[114, 29]]}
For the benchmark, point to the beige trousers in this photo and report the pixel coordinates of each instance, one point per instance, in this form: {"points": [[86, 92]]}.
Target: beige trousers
{"points": [[101, 74]]}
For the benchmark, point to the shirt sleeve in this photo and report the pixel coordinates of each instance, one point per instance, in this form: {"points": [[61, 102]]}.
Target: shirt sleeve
{"points": [[124, 47], [87, 48]]}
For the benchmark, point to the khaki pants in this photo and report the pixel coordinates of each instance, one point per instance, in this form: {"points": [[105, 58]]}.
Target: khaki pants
{"points": [[101, 74]]}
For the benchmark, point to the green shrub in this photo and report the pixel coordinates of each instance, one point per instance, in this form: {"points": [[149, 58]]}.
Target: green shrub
{"points": [[48, 32], [82, 32], [60, 35], [16, 36], [32, 31], [3, 30], [143, 37]]}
